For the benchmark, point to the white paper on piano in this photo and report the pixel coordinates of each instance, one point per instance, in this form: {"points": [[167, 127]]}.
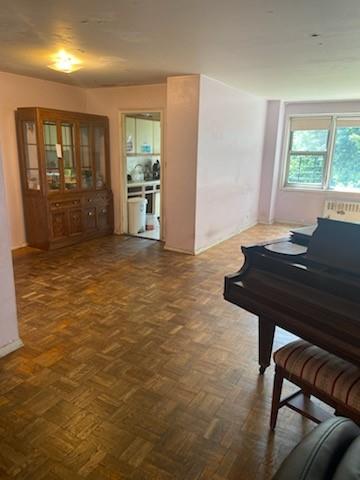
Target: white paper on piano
{"points": [[286, 248]]}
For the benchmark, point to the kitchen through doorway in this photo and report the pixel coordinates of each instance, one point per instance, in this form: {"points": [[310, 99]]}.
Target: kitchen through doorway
{"points": [[142, 155]]}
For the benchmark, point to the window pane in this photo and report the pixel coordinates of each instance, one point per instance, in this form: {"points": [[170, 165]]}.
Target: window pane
{"points": [[309, 140], [99, 149], [50, 133], [345, 169], [30, 133], [53, 178], [51, 159], [67, 135], [33, 178], [85, 157], [306, 169], [31, 156]]}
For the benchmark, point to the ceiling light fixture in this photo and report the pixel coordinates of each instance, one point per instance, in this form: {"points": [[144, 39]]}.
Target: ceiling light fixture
{"points": [[65, 62]]}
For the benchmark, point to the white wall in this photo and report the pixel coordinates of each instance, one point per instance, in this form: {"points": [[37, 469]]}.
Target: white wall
{"points": [[111, 101], [19, 91], [271, 160], [230, 143], [181, 158], [305, 206], [9, 335]]}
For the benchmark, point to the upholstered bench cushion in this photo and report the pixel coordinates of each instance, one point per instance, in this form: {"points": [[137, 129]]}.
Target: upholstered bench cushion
{"points": [[323, 370]]}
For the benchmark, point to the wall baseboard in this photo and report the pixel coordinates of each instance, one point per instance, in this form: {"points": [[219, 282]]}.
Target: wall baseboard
{"points": [[198, 251], [291, 222], [227, 237], [266, 221], [17, 247], [11, 347], [178, 250]]}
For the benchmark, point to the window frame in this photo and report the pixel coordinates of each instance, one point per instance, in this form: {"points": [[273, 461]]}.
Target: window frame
{"points": [[328, 154]]}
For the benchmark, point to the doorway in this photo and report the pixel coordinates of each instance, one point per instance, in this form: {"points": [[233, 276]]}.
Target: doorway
{"points": [[142, 165]]}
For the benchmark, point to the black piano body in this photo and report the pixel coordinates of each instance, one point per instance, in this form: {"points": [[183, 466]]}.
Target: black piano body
{"points": [[307, 284]]}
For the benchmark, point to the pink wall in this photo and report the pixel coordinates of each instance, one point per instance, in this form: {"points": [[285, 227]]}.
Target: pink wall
{"points": [[299, 206], [230, 142], [111, 101], [271, 160], [181, 158], [19, 91], [8, 318]]}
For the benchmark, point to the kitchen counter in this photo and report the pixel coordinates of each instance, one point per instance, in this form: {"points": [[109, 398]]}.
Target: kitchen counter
{"points": [[149, 189], [145, 182]]}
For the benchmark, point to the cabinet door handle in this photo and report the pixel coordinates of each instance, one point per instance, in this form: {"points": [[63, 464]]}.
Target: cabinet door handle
{"points": [[89, 199], [57, 204], [90, 214], [104, 210]]}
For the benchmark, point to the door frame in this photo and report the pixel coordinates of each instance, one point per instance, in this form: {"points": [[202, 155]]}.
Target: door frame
{"points": [[123, 168]]}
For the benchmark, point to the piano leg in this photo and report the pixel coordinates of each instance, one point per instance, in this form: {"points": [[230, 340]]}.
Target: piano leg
{"points": [[266, 339]]}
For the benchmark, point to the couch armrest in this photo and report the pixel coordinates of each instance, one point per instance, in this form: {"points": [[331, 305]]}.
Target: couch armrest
{"points": [[319, 453]]}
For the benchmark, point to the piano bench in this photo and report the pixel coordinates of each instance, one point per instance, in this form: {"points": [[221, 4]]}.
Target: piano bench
{"points": [[327, 377]]}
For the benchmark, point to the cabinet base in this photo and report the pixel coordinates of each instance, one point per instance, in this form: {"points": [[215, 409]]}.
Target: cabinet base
{"points": [[68, 241]]}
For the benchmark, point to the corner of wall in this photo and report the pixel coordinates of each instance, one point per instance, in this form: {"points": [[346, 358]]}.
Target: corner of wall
{"points": [[9, 333], [271, 158], [182, 118]]}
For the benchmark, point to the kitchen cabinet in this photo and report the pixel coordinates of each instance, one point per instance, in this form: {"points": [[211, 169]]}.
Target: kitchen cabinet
{"points": [[65, 176], [144, 136], [149, 190], [130, 125], [156, 137]]}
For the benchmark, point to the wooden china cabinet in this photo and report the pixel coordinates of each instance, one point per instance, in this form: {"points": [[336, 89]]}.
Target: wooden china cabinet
{"points": [[65, 176]]}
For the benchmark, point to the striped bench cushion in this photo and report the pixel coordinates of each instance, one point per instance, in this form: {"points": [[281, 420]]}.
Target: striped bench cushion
{"points": [[326, 372]]}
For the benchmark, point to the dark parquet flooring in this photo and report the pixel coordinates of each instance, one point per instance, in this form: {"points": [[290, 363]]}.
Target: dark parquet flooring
{"points": [[134, 367]]}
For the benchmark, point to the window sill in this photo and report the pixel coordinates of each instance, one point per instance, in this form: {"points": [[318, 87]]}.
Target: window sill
{"points": [[320, 191]]}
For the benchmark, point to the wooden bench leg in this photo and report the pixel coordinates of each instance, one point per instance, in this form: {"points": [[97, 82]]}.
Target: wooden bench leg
{"points": [[278, 383]]}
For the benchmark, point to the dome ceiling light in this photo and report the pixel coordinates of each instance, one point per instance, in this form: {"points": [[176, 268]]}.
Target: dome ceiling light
{"points": [[65, 62]]}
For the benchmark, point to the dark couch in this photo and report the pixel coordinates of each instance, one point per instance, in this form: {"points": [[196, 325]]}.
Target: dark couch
{"points": [[330, 452]]}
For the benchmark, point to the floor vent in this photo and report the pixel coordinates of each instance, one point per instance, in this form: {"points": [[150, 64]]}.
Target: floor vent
{"points": [[340, 210]]}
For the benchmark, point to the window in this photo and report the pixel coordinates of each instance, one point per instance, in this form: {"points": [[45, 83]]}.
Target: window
{"points": [[324, 153]]}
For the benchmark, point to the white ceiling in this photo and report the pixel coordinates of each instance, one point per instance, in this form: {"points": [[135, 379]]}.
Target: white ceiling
{"points": [[262, 46]]}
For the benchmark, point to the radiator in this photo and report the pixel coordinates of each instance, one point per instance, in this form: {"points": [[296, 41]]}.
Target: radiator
{"points": [[340, 210]]}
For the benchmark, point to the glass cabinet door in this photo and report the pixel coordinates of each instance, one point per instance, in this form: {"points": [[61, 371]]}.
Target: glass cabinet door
{"points": [[52, 162], [68, 156], [87, 174], [31, 155], [99, 154]]}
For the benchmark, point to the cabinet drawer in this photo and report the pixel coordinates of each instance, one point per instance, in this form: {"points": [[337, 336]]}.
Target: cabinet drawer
{"points": [[59, 225], [56, 205], [103, 197], [75, 222], [90, 221], [134, 189], [104, 215], [98, 198]]}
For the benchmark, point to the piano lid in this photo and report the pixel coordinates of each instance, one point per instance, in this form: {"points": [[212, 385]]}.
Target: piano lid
{"points": [[336, 244]]}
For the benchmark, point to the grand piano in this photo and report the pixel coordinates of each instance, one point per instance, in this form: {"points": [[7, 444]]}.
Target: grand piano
{"points": [[308, 284]]}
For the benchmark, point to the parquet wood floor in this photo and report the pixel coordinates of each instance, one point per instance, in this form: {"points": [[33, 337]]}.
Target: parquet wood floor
{"points": [[134, 367]]}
